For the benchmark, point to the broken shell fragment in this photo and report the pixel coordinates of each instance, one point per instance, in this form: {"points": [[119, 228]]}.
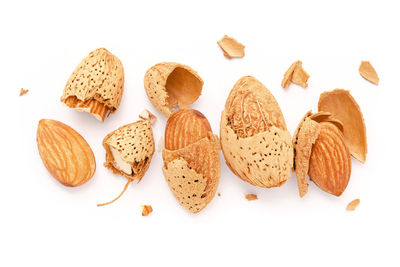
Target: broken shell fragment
{"points": [[231, 47], [368, 72], [129, 151], [171, 86], [295, 74], [147, 115], [344, 108], [255, 142], [96, 85]]}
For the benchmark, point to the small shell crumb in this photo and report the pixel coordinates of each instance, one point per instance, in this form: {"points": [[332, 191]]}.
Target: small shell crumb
{"points": [[231, 47], [368, 72], [219, 194], [250, 197], [147, 209], [147, 115], [295, 74], [353, 204], [23, 92]]}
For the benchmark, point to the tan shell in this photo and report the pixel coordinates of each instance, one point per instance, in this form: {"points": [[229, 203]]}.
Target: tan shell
{"points": [[172, 85], [343, 107], [99, 77], [193, 172], [295, 74], [368, 72], [231, 47], [135, 143], [255, 143], [304, 138]]}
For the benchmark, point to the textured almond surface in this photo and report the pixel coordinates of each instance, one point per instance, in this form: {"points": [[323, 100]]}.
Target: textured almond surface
{"points": [[330, 162], [343, 107], [191, 159], [135, 143], [368, 72], [99, 76], [66, 155], [231, 47], [353, 204], [171, 85], [295, 74], [185, 127], [255, 143], [305, 136]]}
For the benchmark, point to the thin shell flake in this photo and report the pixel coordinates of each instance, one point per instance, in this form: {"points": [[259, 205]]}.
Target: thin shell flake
{"points": [[231, 47]]}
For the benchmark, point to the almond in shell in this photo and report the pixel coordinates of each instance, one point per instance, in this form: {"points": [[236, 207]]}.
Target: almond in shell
{"points": [[129, 151], [321, 152], [96, 85], [64, 152], [255, 142], [191, 159]]}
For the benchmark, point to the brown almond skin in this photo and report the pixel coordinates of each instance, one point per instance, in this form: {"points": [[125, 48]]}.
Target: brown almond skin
{"points": [[64, 152], [330, 162], [185, 127]]}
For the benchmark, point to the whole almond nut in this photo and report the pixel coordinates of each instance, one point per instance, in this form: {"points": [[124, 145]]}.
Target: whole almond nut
{"points": [[64, 152], [330, 162], [191, 159], [255, 142], [96, 85]]}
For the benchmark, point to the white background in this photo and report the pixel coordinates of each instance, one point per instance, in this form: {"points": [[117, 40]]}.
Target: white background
{"points": [[43, 223]]}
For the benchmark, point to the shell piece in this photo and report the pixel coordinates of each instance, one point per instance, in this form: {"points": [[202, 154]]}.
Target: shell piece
{"points": [[306, 134], [295, 74], [135, 144], [231, 47], [255, 143], [99, 77], [330, 162], [368, 72], [172, 85], [342, 105], [353, 204], [193, 172]]}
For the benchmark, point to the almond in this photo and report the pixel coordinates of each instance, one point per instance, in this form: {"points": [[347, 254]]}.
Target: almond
{"points": [[64, 152], [171, 86], [330, 162], [96, 85], [191, 159], [255, 142]]}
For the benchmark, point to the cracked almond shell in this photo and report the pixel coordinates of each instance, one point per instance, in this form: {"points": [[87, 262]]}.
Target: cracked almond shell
{"points": [[135, 143], [321, 152], [191, 159], [255, 142], [343, 107], [96, 85], [171, 86]]}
